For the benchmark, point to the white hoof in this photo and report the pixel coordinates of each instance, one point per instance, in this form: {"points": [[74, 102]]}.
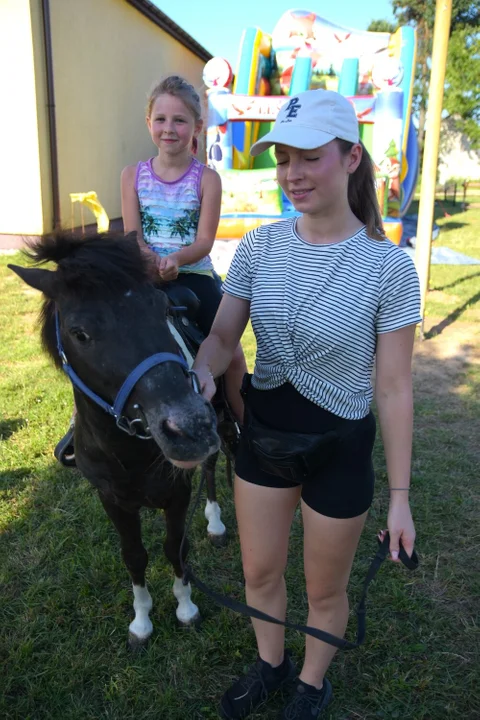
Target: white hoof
{"points": [[215, 527], [140, 630], [187, 612], [141, 626]]}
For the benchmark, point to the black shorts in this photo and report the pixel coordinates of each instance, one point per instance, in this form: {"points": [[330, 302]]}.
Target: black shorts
{"points": [[208, 291], [344, 486]]}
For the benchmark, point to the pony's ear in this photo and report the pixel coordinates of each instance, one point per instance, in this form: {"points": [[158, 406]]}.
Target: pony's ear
{"points": [[131, 235], [43, 280]]}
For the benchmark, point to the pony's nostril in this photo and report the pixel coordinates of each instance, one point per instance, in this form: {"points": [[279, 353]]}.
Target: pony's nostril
{"points": [[171, 429]]}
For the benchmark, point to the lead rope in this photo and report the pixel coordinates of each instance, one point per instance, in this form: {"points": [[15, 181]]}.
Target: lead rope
{"points": [[411, 563]]}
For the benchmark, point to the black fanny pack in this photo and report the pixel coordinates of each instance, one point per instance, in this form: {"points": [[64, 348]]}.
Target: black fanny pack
{"points": [[293, 456]]}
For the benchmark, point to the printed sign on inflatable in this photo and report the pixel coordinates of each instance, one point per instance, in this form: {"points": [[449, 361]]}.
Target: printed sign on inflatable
{"points": [[374, 70]]}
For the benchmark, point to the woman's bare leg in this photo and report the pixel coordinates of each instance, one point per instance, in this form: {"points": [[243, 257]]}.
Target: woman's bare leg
{"points": [[264, 518], [329, 549]]}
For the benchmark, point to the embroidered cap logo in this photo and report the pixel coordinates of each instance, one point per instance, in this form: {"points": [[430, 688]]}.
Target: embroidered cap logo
{"points": [[292, 109]]}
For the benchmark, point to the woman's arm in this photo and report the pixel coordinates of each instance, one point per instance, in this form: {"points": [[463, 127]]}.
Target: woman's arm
{"points": [[211, 192], [394, 397], [216, 351]]}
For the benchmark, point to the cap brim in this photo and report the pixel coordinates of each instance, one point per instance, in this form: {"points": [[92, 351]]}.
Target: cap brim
{"points": [[302, 138]]}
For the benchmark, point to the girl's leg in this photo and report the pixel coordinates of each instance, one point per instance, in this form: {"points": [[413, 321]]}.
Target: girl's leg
{"points": [[329, 549], [209, 293], [264, 517]]}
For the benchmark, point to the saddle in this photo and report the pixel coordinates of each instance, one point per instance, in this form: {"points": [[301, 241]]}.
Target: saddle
{"points": [[182, 313]]}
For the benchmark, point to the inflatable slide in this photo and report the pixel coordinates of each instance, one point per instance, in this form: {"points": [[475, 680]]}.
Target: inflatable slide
{"points": [[374, 70]]}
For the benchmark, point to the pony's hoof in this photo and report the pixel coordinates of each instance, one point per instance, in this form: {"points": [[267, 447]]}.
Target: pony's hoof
{"points": [[218, 541], [192, 624], [136, 644]]}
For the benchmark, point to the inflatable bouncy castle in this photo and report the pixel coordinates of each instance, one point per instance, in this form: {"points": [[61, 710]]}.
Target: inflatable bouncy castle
{"points": [[375, 71]]}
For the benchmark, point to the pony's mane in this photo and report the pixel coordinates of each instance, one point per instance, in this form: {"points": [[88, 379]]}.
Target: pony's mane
{"points": [[96, 266]]}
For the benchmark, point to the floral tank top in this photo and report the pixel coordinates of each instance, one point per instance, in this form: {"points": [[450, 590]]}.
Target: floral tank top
{"points": [[170, 211]]}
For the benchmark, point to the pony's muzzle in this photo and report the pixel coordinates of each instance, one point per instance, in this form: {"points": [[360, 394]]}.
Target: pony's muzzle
{"points": [[186, 433]]}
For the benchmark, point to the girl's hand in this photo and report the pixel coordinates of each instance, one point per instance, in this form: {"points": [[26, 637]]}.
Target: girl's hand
{"points": [[168, 268], [207, 383], [400, 527]]}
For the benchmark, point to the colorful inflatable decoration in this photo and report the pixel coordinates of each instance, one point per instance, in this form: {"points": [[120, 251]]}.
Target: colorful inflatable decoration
{"points": [[374, 70]]}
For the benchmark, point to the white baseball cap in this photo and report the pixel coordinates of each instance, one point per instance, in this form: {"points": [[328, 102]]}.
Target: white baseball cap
{"points": [[311, 119]]}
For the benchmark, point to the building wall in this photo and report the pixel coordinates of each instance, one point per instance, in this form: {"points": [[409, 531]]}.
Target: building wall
{"points": [[457, 159], [106, 57], [21, 208]]}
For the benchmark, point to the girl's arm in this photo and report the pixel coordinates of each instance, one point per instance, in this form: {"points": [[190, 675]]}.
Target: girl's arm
{"points": [[130, 207], [211, 192], [131, 211], [394, 397], [216, 351]]}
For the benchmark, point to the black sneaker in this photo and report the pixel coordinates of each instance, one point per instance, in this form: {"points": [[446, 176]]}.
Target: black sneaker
{"points": [[307, 703], [253, 689]]}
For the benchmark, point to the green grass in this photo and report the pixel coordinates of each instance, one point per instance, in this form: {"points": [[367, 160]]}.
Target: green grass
{"points": [[65, 595]]}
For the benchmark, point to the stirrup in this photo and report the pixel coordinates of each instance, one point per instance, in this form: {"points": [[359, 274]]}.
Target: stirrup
{"points": [[65, 450]]}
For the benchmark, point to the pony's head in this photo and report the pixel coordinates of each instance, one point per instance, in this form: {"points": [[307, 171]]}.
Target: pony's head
{"points": [[111, 318]]}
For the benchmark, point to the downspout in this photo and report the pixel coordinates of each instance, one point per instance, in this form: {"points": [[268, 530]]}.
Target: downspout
{"points": [[52, 126]]}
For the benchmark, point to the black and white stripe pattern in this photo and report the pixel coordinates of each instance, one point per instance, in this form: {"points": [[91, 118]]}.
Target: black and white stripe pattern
{"points": [[316, 310]]}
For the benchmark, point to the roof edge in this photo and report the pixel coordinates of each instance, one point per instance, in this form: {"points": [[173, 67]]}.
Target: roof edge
{"points": [[152, 12]]}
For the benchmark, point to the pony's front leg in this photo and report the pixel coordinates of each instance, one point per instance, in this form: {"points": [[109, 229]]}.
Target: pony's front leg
{"points": [[216, 530], [187, 612], [135, 557]]}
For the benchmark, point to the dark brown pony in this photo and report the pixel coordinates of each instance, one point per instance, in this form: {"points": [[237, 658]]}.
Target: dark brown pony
{"points": [[103, 312]]}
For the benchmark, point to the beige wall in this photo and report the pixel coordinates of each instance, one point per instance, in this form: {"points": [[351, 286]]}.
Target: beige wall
{"points": [[21, 210], [107, 56]]}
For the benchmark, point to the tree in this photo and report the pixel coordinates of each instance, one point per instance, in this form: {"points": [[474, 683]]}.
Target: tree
{"points": [[421, 13], [462, 87], [381, 26]]}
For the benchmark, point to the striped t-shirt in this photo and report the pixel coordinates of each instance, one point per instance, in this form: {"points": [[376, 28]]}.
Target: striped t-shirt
{"points": [[316, 310], [170, 211]]}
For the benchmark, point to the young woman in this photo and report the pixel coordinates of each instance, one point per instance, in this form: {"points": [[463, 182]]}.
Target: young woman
{"points": [[327, 293]]}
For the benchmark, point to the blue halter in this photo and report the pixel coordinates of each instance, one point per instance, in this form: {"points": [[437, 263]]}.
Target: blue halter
{"points": [[116, 410]]}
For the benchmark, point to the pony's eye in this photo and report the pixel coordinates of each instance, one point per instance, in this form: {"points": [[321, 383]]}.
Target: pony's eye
{"points": [[80, 335]]}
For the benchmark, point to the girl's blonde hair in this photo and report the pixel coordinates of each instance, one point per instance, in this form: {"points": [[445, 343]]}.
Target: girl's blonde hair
{"points": [[177, 87], [362, 192]]}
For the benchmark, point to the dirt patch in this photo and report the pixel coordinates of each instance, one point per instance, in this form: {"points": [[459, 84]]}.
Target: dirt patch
{"points": [[443, 378], [442, 297], [458, 345]]}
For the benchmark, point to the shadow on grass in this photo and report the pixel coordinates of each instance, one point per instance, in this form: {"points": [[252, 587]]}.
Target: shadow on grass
{"points": [[10, 426], [14, 479], [452, 317], [440, 208], [452, 225], [457, 282]]}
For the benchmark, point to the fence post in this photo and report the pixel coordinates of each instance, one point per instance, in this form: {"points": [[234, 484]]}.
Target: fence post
{"points": [[443, 14]]}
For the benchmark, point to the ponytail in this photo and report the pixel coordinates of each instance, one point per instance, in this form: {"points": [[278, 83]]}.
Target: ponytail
{"points": [[362, 192], [194, 146]]}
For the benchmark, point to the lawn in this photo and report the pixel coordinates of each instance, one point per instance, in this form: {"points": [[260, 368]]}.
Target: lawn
{"points": [[65, 598]]}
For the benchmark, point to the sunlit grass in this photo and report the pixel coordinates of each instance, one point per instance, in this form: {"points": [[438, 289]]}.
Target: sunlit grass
{"points": [[65, 594]]}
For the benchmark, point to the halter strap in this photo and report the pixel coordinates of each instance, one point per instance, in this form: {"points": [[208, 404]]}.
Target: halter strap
{"points": [[123, 394]]}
